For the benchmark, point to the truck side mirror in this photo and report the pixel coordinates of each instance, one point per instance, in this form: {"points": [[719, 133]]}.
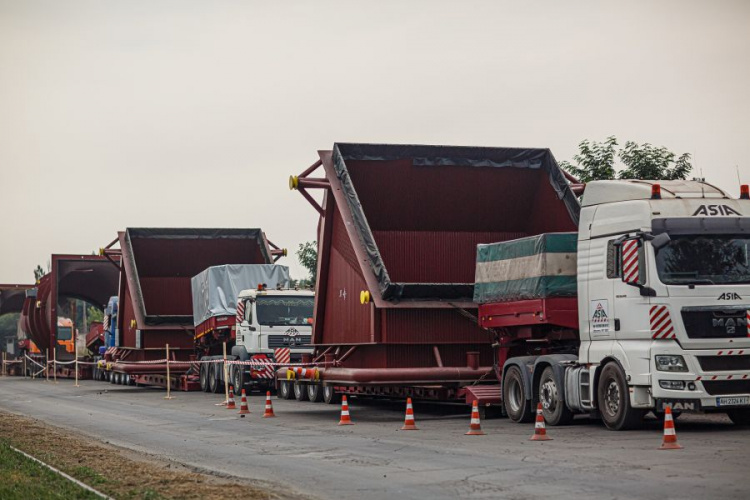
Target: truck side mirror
{"points": [[632, 259]]}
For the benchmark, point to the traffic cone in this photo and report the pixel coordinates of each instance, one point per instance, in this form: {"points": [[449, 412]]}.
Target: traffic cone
{"points": [[269, 406], [230, 401], [540, 432], [475, 428], [345, 419], [409, 424], [670, 437], [244, 410]]}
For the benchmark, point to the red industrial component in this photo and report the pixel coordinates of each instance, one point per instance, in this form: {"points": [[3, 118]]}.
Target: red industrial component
{"points": [[156, 307], [397, 243], [744, 192], [656, 191]]}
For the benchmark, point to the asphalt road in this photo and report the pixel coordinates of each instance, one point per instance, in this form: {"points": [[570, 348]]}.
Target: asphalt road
{"points": [[304, 450]]}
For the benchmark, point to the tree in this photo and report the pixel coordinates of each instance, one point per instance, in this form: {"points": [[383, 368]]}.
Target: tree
{"points": [[307, 254], [596, 161], [38, 273]]}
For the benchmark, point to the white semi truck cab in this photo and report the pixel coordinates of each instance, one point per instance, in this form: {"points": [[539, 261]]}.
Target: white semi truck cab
{"points": [[663, 298]]}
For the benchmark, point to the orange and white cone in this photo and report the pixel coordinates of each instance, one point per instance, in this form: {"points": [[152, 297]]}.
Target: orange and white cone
{"points": [[345, 418], [269, 406], [670, 437], [409, 423], [230, 401], [540, 431], [244, 410], [475, 427]]}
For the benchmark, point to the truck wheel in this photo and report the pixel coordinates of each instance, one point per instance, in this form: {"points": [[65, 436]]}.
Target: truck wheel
{"points": [[314, 393], [553, 405], [238, 377], [740, 416], [516, 405], [300, 392], [613, 400], [203, 376], [330, 396], [285, 390]]}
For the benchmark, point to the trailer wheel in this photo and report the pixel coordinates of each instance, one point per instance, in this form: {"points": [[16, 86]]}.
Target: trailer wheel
{"points": [[553, 405], [203, 376], [330, 396], [300, 392], [314, 393], [739, 416], [285, 390], [613, 400], [516, 405], [213, 379]]}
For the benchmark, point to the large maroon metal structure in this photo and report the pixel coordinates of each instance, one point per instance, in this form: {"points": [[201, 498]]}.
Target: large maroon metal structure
{"points": [[397, 238], [91, 278], [155, 306], [12, 298]]}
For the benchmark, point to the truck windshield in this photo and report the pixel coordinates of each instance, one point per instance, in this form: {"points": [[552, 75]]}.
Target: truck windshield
{"points": [[285, 311], [704, 260]]}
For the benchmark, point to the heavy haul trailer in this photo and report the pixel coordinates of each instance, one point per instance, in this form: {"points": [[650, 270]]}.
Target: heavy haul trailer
{"points": [[155, 301], [398, 231], [263, 321], [91, 278], [654, 289], [12, 298]]}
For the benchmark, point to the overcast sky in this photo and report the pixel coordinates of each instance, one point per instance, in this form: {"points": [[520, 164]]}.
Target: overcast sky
{"points": [[118, 114]]}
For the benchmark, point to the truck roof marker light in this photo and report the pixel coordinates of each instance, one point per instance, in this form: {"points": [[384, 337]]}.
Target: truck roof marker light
{"points": [[656, 191], [744, 192]]}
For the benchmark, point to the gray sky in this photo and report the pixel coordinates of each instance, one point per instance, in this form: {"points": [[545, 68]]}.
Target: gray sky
{"points": [[194, 113]]}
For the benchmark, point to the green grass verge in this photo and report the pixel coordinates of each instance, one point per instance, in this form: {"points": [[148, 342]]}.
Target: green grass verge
{"points": [[23, 479]]}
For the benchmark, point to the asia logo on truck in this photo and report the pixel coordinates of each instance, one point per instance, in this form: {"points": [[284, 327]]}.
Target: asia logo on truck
{"points": [[712, 210], [599, 316]]}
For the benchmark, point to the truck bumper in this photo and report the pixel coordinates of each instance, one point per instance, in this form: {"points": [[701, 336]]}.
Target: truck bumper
{"points": [[717, 390]]}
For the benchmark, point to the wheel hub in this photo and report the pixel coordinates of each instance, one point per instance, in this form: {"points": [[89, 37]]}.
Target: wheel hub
{"points": [[548, 395], [612, 398]]}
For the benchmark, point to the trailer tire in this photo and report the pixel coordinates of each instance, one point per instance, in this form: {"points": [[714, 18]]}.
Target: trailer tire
{"points": [[285, 390], [300, 391], [315, 393], [213, 379], [517, 407], [739, 416], [554, 409], [330, 396], [203, 376], [613, 400]]}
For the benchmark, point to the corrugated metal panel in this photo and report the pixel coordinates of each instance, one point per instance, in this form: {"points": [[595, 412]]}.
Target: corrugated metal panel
{"points": [[431, 326], [434, 256], [169, 296]]}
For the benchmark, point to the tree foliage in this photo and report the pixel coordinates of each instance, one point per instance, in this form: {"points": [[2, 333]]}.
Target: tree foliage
{"points": [[597, 161], [307, 254]]}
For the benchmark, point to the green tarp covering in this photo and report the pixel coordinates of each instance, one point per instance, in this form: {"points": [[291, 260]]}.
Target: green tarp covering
{"points": [[527, 268]]}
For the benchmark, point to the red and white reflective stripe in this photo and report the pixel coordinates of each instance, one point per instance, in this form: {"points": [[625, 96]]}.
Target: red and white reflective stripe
{"points": [[283, 355], [731, 353], [734, 376], [748, 323], [240, 311], [661, 323], [262, 367], [630, 271]]}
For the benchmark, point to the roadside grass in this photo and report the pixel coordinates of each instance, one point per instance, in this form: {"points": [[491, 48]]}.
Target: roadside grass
{"points": [[23, 479]]}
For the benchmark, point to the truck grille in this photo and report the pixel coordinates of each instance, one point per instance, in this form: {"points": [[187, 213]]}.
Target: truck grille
{"points": [[715, 323], [724, 363], [276, 341], [724, 387]]}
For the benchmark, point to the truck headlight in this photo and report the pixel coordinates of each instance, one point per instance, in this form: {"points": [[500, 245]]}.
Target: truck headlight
{"points": [[672, 363]]}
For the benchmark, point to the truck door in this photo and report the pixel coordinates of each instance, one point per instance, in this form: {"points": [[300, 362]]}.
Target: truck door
{"points": [[600, 310], [630, 272]]}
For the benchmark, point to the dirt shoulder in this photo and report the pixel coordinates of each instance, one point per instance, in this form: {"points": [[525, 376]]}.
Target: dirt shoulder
{"points": [[119, 473]]}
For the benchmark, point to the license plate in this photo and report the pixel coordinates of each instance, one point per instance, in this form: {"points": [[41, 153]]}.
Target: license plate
{"points": [[737, 401]]}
